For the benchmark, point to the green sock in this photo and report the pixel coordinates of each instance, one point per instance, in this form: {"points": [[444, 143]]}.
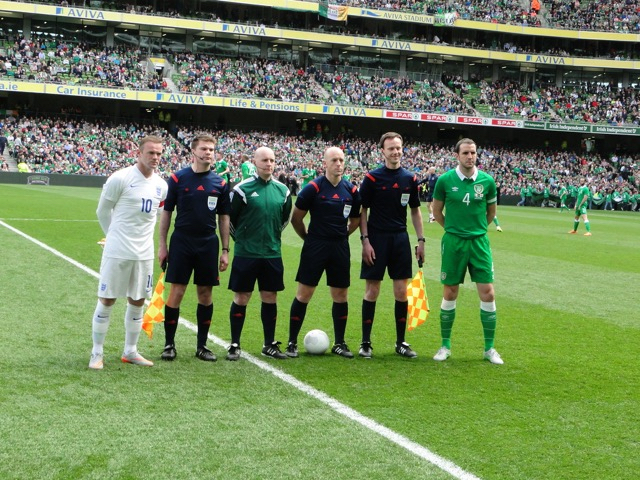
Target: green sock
{"points": [[446, 324], [588, 226], [575, 225], [495, 220], [488, 320]]}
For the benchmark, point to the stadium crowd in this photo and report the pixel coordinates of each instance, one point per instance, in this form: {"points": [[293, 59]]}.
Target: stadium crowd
{"points": [[272, 79], [594, 15], [586, 102], [60, 62], [252, 77], [73, 146], [599, 15]]}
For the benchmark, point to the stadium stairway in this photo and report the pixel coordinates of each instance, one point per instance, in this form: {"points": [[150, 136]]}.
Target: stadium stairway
{"points": [[471, 98], [10, 161], [170, 84]]}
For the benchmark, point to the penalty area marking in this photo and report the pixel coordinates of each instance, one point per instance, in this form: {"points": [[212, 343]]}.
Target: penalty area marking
{"points": [[348, 412]]}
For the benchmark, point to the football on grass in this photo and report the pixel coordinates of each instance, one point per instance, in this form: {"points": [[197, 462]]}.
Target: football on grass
{"points": [[316, 342]]}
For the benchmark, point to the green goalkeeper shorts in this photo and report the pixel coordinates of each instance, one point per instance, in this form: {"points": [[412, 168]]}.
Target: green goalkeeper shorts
{"points": [[460, 254]]}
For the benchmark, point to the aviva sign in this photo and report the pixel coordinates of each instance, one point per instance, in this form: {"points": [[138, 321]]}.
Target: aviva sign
{"points": [[180, 98], [80, 13], [391, 44], [548, 59]]}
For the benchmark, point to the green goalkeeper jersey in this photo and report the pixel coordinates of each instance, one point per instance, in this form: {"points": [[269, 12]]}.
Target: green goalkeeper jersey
{"points": [[465, 202]]}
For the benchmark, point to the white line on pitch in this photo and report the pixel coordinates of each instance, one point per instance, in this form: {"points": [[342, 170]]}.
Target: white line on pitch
{"points": [[48, 220], [334, 404]]}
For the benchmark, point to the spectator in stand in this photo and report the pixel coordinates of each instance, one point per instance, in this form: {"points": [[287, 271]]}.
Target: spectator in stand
{"points": [[3, 143]]}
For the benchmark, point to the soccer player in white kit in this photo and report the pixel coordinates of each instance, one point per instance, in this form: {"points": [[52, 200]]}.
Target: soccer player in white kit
{"points": [[127, 212]]}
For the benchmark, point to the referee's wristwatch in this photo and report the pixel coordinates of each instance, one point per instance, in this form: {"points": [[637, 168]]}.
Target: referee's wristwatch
{"points": [[362, 237], [422, 239]]}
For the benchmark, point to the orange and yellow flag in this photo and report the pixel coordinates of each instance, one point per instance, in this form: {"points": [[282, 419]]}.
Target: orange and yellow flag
{"points": [[418, 308], [155, 311]]}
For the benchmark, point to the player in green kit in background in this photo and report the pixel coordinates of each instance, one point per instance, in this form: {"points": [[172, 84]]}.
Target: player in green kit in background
{"points": [[470, 198], [222, 168], [247, 166], [308, 174], [582, 201], [563, 193]]}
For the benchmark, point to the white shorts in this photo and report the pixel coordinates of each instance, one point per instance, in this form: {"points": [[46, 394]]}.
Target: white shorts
{"points": [[125, 278]]}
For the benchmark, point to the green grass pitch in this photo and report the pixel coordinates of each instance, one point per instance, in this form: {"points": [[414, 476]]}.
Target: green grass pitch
{"points": [[564, 406]]}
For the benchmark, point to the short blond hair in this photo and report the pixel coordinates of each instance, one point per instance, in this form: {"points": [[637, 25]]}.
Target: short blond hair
{"points": [[149, 139]]}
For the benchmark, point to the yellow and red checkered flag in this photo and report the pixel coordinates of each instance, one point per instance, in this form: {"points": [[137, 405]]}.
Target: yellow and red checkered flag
{"points": [[418, 308], [155, 311]]}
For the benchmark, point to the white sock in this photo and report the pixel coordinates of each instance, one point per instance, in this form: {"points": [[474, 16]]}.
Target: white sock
{"points": [[488, 306], [132, 328], [448, 304], [99, 327]]}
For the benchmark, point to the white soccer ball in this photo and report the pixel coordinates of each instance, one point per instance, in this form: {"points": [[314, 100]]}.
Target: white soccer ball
{"points": [[316, 342]]}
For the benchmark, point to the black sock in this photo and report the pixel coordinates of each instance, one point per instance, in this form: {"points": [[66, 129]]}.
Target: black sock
{"points": [[237, 314], [171, 316], [339, 312], [204, 313], [296, 319], [400, 311], [268, 314], [368, 312]]}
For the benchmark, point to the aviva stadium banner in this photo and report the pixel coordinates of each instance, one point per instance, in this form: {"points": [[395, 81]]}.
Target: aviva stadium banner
{"points": [[333, 12]]}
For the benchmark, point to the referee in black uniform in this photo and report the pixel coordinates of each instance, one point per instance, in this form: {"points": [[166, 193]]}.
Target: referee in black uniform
{"points": [[334, 205], [385, 194], [199, 194]]}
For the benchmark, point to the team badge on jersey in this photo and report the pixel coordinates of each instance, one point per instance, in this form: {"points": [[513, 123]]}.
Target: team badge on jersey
{"points": [[479, 189], [404, 199], [212, 202], [346, 211]]}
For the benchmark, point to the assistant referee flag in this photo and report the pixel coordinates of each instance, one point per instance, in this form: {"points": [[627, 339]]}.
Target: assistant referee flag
{"points": [[155, 311], [418, 302]]}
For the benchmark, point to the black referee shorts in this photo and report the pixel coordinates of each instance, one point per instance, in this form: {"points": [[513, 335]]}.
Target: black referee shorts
{"points": [[269, 272], [319, 255], [193, 254], [393, 253]]}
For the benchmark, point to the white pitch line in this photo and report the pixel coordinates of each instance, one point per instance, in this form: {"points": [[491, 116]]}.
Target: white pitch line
{"points": [[48, 220], [344, 410]]}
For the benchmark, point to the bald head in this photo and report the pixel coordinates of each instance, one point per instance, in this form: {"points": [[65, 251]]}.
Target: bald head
{"points": [[333, 152], [334, 164], [265, 161]]}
